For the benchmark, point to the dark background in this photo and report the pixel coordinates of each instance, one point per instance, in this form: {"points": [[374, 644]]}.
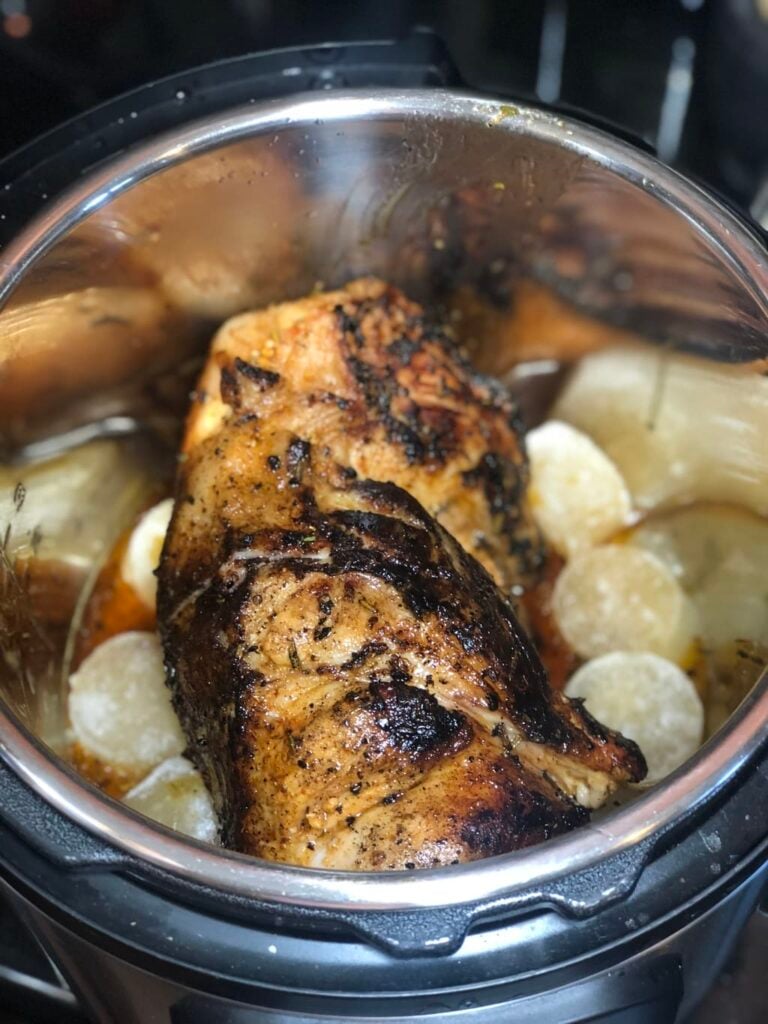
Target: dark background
{"points": [[689, 76]]}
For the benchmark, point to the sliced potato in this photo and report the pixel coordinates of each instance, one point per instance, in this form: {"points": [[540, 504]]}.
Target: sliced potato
{"points": [[619, 598], [720, 555], [175, 795], [679, 428], [649, 700], [120, 707], [142, 554], [71, 507], [578, 497]]}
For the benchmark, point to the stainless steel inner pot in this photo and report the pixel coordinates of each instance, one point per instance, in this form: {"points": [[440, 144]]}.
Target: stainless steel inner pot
{"points": [[432, 190]]}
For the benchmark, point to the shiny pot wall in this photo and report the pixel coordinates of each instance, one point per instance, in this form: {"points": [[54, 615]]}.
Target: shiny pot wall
{"points": [[439, 192], [432, 191], [139, 949]]}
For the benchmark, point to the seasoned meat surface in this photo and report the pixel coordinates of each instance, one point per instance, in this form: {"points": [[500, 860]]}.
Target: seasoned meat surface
{"points": [[389, 396], [353, 683]]}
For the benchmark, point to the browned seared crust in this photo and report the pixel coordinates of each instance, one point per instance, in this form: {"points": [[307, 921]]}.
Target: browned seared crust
{"points": [[388, 394], [354, 687]]}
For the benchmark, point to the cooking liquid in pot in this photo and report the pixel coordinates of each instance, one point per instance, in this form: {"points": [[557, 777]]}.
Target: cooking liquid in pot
{"points": [[652, 606]]}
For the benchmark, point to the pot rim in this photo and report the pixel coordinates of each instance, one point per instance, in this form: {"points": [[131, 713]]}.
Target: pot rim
{"points": [[646, 818]]}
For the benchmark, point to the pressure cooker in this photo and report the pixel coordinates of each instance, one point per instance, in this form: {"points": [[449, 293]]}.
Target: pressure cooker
{"points": [[323, 164]]}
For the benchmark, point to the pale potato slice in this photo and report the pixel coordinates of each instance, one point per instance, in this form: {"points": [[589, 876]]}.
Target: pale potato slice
{"points": [[119, 706], [175, 795], [720, 555], [679, 428], [649, 700], [142, 554], [577, 496], [71, 507], [619, 598]]}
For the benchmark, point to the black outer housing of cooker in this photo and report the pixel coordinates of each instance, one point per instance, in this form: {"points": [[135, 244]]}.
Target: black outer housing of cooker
{"points": [[628, 942]]}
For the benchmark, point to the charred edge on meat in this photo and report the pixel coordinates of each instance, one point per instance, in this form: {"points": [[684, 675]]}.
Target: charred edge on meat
{"points": [[434, 576], [504, 485], [424, 435], [231, 384], [523, 817]]}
